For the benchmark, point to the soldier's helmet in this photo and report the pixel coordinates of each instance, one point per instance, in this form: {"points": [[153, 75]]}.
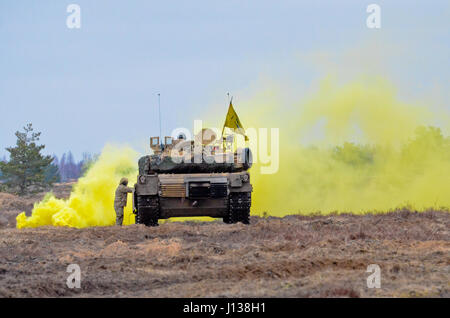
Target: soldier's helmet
{"points": [[124, 181]]}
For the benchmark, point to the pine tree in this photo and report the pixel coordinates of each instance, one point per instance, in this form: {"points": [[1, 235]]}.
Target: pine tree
{"points": [[52, 172], [1, 174], [26, 169]]}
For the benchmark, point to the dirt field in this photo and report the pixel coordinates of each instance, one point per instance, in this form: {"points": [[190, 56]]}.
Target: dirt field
{"points": [[294, 256]]}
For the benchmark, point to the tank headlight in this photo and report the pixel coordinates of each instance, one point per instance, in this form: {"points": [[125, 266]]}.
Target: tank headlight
{"points": [[142, 179], [245, 177]]}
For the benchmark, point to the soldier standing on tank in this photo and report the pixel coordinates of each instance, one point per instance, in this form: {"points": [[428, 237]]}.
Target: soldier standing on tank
{"points": [[120, 200]]}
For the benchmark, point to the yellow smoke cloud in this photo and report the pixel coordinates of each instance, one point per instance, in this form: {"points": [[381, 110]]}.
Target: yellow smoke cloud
{"points": [[350, 148], [346, 148], [92, 199]]}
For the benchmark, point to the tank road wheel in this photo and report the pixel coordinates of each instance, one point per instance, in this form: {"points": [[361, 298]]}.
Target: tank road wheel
{"points": [[137, 219], [147, 210], [238, 208], [245, 207]]}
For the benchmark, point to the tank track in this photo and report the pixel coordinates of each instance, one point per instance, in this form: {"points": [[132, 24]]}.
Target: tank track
{"points": [[147, 210], [238, 208]]}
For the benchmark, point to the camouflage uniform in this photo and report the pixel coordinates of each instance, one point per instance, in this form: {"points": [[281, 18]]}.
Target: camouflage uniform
{"points": [[120, 200]]}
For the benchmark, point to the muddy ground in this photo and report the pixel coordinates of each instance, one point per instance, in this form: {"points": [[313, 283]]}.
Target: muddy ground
{"points": [[294, 256]]}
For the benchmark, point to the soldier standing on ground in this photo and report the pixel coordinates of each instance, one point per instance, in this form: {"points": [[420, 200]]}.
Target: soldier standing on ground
{"points": [[120, 200]]}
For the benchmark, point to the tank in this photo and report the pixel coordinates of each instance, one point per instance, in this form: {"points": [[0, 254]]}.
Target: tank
{"points": [[184, 178]]}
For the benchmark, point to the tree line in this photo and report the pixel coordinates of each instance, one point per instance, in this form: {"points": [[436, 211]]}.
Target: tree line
{"points": [[28, 170], [69, 169]]}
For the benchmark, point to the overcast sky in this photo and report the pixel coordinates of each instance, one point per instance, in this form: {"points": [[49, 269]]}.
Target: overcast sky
{"points": [[85, 87]]}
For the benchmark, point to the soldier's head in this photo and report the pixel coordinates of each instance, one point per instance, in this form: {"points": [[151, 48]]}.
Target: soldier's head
{"points": [[124, 181]]}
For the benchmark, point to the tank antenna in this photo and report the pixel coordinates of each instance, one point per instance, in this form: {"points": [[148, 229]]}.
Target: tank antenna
{"points": [[159, 108]]}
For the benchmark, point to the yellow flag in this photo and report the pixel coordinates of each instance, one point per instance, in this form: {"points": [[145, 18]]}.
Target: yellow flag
{"points": [[232, 121]]}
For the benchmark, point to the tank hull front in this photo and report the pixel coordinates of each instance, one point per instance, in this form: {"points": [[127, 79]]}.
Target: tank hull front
{"points": [[184, 207], [216, 195]]}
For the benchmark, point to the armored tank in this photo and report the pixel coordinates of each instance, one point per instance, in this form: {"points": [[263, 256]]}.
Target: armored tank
{"points": [[184, 178]]}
